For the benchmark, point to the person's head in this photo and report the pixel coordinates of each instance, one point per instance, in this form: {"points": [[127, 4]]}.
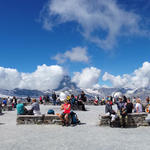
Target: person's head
{"points": [[120, 99], [138, 100], [82, 92], [128, 100], [19, 101], [72, 96], [68, 97], [33, 100], [107, 102]]}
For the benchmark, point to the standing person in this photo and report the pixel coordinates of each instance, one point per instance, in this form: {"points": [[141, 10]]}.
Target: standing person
{"points": [[4, 102], [83, 97], [81, 105], [122, 112], [129, 106], [138, 106], [96, 101], [35, 107], [41, 101], [28, 99], [44, 99], [147, 100], [14, 101], [9, 100], [81, 101], [54, 97], [47, 98]]}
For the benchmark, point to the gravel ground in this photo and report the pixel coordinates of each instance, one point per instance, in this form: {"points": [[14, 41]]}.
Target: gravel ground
{"points": [[88, 136]]}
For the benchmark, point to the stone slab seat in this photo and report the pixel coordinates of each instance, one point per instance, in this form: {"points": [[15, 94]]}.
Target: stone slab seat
{"points": [[40, 119], [30, 119], [134, 120], [52, 119]]}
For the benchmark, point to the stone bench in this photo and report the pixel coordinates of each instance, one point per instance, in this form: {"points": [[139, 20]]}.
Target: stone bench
{"points": [[40, 119], [133, 120], [52, 119], [7, 108]]}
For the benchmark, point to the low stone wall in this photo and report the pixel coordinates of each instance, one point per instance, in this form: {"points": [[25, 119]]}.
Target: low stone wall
{"points": [[133, 120], [41, 119], [7, 108]]}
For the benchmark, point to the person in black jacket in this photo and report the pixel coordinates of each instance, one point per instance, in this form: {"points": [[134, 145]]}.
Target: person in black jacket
{"points": [[82, 96], [129, 106], [54, 97]]}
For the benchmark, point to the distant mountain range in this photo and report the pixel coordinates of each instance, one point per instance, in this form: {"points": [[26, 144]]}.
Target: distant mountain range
{"points": [[67, 85]]}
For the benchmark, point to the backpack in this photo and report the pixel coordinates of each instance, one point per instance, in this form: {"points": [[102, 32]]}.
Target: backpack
{"points": [[74, 118], [51, 111]]}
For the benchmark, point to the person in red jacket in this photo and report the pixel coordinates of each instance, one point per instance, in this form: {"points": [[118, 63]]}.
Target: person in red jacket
{"points": [[66, 111]]}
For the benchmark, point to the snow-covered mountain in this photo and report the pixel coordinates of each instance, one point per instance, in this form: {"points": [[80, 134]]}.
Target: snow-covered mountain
{"points": [[21, 92], [67, 85]]}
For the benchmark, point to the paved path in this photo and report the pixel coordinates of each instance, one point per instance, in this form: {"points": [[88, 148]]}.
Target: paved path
{"points": [[88, 136]]}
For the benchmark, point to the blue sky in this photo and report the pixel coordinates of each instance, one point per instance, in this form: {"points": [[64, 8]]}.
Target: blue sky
{"points": [[26, 41]]}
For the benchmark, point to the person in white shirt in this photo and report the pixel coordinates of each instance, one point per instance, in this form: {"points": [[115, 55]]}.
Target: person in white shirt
{"points": [[138, 106]]}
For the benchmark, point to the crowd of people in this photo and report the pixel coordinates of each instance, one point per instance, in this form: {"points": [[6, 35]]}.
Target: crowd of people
{"points": [[70, 102], [67, 102], [124, 107]]}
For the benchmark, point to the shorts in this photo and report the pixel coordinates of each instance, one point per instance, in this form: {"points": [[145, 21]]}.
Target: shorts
{"points": [[63, 115]]}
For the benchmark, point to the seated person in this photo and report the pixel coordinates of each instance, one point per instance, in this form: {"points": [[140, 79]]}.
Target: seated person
{"points": [[21, 110], [65, 115], [72, 101], [110, 111], [35, 107]]}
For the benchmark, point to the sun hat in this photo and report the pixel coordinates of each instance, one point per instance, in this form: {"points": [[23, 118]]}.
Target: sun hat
{"points": [[68, 97]]}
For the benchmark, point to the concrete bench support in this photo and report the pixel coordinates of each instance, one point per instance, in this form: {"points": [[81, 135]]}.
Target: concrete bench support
{"points": [[133, 120]]}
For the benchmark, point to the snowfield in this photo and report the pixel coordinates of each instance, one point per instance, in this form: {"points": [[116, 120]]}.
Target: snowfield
{"points": [[88, 136]]}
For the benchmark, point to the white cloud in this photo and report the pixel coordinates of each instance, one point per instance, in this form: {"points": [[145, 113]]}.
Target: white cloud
{"points": [[88, 78], [60, 58], [93, 16], [9, 78], [77, 54], [140, 78], [45, 77]]}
